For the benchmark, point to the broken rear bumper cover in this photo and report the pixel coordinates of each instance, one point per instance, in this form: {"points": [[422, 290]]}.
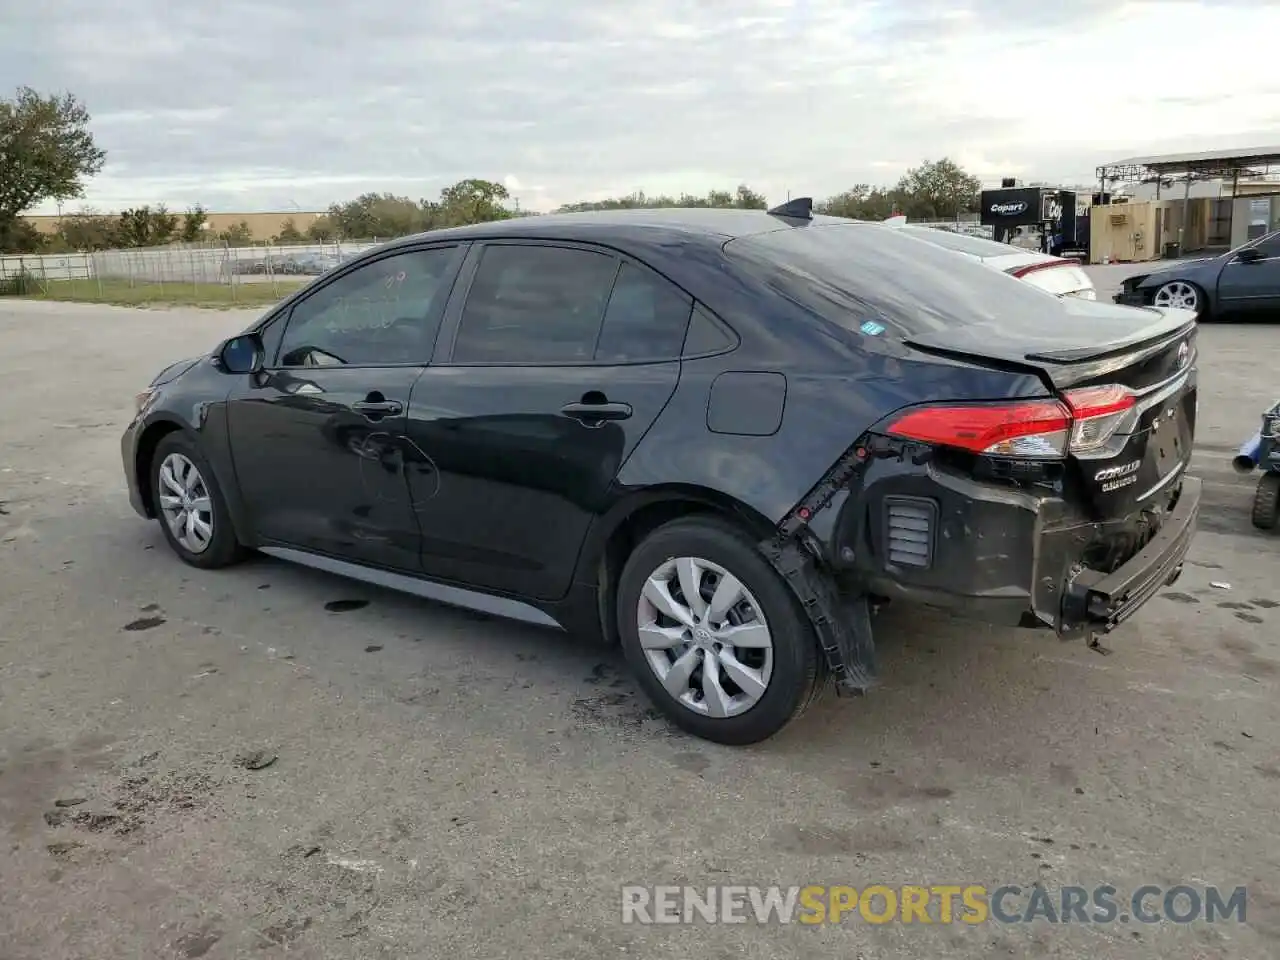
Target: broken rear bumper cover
{"points": [[1105, 600], [1001, 554]]}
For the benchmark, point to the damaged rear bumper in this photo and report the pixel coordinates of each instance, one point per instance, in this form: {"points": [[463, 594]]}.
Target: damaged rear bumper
{"points": [[1102, 601], [1020, 558], [1007, 555]]}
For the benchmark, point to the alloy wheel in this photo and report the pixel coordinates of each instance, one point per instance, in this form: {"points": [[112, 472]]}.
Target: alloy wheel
{"points": [[185, 503], [1178, 294], [705, 637]]}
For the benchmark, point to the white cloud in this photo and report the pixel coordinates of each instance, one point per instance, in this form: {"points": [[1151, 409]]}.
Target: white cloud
{"points": [[309, 101]]}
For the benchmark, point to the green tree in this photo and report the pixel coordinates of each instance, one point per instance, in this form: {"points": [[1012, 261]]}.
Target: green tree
{"points": [[322, 229], [88, 230], [368, 216], [469, 201], [193, 223], [743, 198], [938, 190], [23, 237], [46, 153], [859, 202], [237, 235], [289, 233], [747, 199], [144, 227]]}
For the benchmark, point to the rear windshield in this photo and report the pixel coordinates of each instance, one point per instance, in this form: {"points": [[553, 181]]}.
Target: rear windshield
{"points": [[961, 243], [877, 279]]}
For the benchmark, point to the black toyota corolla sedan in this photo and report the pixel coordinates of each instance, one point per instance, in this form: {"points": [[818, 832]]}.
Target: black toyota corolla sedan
{"points": [[720, 438]]}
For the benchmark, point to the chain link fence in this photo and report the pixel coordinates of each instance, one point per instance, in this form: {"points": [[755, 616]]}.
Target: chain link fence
{"points": [[212, 273], [970, 228], [178, 273]]}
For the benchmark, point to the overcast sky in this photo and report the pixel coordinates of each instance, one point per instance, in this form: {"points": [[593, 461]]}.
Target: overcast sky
{"points": [[292, 104]]}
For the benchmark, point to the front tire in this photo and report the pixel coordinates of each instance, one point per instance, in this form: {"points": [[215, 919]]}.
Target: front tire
{"points": [[189, 505], [1182, 295], [1266, 502], [714, 635]]}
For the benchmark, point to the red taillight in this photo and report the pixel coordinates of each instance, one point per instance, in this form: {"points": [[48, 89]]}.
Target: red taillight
{"points": [[1031, 428], [1096, 414], [1084, 420]]}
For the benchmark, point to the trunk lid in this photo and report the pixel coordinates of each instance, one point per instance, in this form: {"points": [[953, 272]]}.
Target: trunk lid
{"points": [[1062, 278], [1152, 352], [1087, 342]]}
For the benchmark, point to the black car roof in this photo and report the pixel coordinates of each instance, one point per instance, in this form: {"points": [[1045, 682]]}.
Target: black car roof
{"points": [[646, 225]]}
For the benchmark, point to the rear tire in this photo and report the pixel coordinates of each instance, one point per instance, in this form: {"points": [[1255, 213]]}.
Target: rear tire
{"points": [[189, 505], [1266, 502], [735, 665]]}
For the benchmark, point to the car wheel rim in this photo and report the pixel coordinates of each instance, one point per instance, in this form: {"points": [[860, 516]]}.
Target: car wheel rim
{"points": [[185, 503], [705, 637], [1178, 294]]}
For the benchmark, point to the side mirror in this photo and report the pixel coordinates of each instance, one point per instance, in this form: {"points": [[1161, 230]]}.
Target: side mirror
{"points": [[242, 354], [1249, 254]]}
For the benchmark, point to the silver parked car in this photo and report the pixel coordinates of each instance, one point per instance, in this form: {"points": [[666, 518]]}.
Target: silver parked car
{"points": [[1059, 276]]}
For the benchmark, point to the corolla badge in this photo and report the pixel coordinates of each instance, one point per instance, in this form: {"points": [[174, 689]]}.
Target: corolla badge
{"points": [[1010, 209], [1113, 478], [1184, 354], [1113, 473]]}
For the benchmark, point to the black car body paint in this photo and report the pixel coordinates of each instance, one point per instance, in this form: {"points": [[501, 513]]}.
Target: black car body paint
{"points": [[486, 483]]}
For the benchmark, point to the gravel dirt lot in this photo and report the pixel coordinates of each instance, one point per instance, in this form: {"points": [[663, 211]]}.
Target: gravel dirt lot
{"points": [[449, 785]]}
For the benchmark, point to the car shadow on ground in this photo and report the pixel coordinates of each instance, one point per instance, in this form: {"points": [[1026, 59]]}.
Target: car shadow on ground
{"points": [[944, 680], [927, 659]]}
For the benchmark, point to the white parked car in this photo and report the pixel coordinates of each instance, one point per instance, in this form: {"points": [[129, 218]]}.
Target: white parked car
{"points": [[1059, 276]]}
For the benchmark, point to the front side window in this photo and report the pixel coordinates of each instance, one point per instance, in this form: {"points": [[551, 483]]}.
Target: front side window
{"points": [[535, 304], [385, 312]]}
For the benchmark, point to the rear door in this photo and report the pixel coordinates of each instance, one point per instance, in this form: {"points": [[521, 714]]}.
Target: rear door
{"points": [[556, 359], [318, 436]]}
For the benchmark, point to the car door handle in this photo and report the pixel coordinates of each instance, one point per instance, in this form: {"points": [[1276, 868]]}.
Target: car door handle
{"points": [[378, 408], [596, 412]]}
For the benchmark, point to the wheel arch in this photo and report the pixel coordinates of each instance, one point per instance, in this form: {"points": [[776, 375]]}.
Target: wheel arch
{"points": [[144, 457], [614, 535], [1207, 287]]}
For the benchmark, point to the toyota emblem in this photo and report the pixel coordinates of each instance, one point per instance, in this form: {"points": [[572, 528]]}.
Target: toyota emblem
{"points": [[1184, 352]]}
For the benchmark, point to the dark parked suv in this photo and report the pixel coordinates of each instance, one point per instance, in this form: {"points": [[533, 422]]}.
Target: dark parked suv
{"points": [[720, 438]]}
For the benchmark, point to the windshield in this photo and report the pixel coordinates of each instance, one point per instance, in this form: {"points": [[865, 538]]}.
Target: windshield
{"points": [[1257, 241], [959, 242]]}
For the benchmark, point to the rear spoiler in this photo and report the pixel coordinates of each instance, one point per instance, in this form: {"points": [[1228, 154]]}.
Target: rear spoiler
{"points": [[1027, 268]]}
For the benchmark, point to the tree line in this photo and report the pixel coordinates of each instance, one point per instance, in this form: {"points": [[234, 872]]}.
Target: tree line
{"points": [[47, 152]]}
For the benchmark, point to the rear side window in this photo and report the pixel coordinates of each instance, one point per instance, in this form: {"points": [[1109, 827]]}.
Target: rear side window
{"points": [[855, 274], [646, 319], [535, 304]]}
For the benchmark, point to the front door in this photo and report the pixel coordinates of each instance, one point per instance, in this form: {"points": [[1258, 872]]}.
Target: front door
{"points": [[1247, 285], [561, 359], [318, 437]]}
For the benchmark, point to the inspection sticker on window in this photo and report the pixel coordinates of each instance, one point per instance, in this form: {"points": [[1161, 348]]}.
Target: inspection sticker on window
{"points": [[872, 329]]}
